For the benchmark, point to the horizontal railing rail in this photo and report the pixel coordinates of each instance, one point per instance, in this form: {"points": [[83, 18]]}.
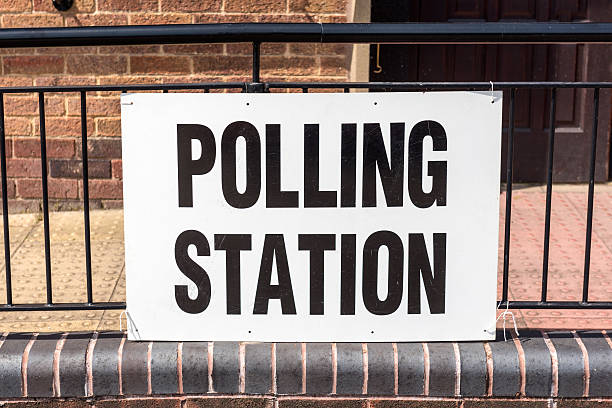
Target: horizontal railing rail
{"points": [[466, 33], [348, 33]]}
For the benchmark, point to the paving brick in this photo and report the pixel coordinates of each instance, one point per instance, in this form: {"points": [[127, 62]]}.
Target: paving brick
{"points": [[134, 368], [195, 367], [289, 368], [571, 364], [473, 369], [600, 363], [105, 370], [226, 367], [506, 374], [40, 365], [381, 369], [72, 369], [411, 369], [11, 353], [258, 368], [350, 369], [319, 374], [164, 379], [538, 365]]}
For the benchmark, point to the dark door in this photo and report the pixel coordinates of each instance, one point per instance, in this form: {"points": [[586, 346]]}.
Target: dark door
{"points": [[514, 63]]}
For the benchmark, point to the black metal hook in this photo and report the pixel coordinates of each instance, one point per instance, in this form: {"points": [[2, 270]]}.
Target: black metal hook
{"points": [[63, 5]]}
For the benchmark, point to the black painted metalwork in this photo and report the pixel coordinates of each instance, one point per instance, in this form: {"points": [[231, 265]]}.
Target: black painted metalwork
{"points": [[549, 180], [589, 226], [45, 194], [349, 33], [422, 33], [5, 211], [84, 151], [509, 163]]}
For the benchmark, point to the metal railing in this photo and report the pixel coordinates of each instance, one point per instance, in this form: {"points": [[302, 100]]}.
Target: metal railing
{"points": [[347, 33]]}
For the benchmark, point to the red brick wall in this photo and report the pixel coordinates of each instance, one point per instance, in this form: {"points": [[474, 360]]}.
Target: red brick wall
{"points": [[133, 64]]}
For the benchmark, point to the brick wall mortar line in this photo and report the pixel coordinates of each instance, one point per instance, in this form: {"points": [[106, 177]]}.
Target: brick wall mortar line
{"points": [[608, 340], [489, 376], [364, 353], [56, 362], [585, 360], [242, 362], [273, 367], [119, 365], [304, 372], [149, 384], [24, 365], [555, 365], [89, 365], [334, 368], [395, 370], [179, 367], [425, 369], [210, 350], [457, 369], [522, 369]]}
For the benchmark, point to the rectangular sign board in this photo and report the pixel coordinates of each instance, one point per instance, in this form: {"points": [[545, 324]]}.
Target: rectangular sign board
{"points": [[311, 217]]}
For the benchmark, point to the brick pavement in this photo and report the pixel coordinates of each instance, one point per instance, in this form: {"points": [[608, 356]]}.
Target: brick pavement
{"points": [[565, 280]]}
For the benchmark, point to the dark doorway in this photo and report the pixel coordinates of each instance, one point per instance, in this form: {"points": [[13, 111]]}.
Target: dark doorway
{"points": [[514, 63]]}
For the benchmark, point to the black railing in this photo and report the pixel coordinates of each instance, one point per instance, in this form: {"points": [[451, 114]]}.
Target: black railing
{"points": [[348, 33]]}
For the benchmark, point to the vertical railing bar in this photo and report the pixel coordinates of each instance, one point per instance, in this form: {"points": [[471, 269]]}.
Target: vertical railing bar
{"points": [[164, 91], [304, 90], [509, 164], [45, 194], [5, 215], [256, 61], [206, 90], [347, 90], [86, 196], [549, 186], [589, 225]]}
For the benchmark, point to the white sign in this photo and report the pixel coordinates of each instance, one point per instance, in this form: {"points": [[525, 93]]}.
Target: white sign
{"points": [[311, 217]]}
